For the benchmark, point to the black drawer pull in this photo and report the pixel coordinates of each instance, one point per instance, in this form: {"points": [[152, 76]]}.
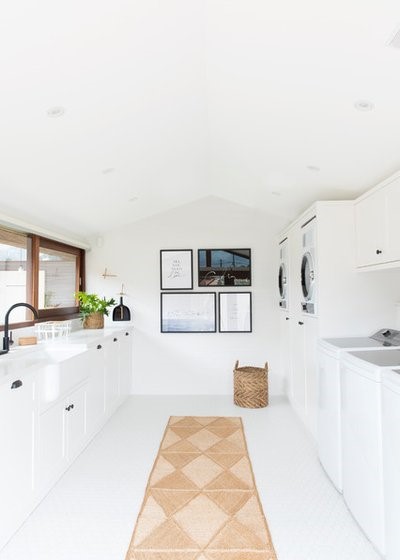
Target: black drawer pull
{"points": [[378, 252], [300, 322], [16, 384], [115, 339], [287, 318], [99, 347], [126, 334]]}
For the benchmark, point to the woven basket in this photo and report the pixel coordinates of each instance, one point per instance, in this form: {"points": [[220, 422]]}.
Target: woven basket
{"points": [[94, 321], [250, 386]]}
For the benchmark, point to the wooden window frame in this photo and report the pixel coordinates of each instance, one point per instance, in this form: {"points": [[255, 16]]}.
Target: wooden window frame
{"points": [[34, 244]]}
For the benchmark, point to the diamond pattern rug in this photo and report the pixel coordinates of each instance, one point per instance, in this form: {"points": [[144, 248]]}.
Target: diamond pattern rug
{"points": [[201, 502]]}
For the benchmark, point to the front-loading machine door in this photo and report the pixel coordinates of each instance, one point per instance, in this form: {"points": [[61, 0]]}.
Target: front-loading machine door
{"points": [[282, 280], [307, 276]]}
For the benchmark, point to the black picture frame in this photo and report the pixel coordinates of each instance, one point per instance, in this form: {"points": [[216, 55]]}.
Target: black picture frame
{"points": [[224, 268], [235, 312], [188, 312], [176, 269]]}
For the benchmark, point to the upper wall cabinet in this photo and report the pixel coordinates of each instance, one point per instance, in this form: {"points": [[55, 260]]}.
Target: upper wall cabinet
{"points": [[378, 225]]}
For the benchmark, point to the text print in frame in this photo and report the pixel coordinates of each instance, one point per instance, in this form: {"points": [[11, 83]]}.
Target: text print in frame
{"points": [[176, 269]]}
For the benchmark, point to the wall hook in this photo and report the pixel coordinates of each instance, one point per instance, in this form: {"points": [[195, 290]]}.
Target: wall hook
{"points": [[107, 274]]}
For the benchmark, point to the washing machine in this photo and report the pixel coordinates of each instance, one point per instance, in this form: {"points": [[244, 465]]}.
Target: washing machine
{"points": [[308, 273], [391, 460], [329, 432], [283, 274], [362, 446]]}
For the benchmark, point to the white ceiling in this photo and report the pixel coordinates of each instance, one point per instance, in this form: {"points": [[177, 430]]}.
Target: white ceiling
{"points": [[190, 98]]}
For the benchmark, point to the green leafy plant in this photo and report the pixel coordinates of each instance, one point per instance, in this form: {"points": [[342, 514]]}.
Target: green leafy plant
{"points": [[91, 303]]}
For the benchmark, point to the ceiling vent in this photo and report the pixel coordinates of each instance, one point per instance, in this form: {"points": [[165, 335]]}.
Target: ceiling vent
{"points": [[394, 40]]}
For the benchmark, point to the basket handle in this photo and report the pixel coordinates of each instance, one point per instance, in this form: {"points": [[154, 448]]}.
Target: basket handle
{"points": [[266, 366], [237, 364]]}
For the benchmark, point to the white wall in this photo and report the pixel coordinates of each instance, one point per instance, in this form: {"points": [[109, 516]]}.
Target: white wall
{"points": [[191, 363]]}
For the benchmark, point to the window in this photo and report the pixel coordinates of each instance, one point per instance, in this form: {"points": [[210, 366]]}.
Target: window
{"points": [[13, 267], [41, 272]]}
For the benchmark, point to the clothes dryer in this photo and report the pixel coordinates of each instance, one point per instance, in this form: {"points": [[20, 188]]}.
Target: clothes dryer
{"points": [[283, 275], [308, 272], [361, 394], [329, 432]]}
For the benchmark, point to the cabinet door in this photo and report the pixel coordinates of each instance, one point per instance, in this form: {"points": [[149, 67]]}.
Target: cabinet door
{"points": [[125, 364], [370, 229], [297, 350], [16, 445], [75, 407], [392, 200], [311, 372], [95, 400], [111, 374], [285, 356], [51, 452]]}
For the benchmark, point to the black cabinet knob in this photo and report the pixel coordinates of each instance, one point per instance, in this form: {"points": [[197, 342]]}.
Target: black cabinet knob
{"points": [[300, 322], [115, 339], [126, 334], [287, 318], [71, 406], [378, 252], [16, 384], [99, 347], [67, 408]]}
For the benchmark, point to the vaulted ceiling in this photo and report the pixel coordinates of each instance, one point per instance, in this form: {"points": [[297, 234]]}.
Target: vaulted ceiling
{"points": [[111, 111]]}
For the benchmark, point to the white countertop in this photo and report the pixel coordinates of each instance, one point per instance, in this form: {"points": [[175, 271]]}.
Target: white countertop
{"points": [[24, 359]]}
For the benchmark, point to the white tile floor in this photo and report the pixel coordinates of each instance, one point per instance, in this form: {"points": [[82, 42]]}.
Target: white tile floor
{"points": [[91, 512]]}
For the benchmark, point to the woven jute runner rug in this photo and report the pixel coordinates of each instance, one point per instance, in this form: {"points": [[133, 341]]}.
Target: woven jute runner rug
{"points": [[201, 502]]}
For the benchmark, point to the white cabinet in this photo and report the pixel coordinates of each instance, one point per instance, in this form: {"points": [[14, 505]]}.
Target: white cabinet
{"points": [[303, 390], [111, 374], [285, 354], [49, 415], [61, 436], [16, 448], [95, 403], [125, 363], [377, 225], [297, 391]]}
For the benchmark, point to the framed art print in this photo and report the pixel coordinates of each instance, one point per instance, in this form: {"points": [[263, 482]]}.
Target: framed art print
{"points": [[224, 267], [193, 312], [176, 269], [234, 312]]}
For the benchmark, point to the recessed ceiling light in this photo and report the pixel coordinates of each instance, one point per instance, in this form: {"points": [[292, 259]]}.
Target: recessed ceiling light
{"points": [[55, 112], [364, 105], [108, 170], [313, 168]]}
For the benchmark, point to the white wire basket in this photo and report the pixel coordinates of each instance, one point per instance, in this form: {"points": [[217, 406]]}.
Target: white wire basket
{"points": [[53, 329]]}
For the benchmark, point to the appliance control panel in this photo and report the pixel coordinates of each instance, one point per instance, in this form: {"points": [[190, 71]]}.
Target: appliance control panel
{"points": [[388, 337]]}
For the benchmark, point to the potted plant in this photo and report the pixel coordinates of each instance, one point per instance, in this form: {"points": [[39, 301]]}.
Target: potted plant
{"points": [[92, 309]]}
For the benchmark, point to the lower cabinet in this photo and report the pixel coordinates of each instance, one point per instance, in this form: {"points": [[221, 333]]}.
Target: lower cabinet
{"points": [[125, 364], [16, 445], [111, 374], [61, 435], [303, 387], [47, 417], [95, 401]]}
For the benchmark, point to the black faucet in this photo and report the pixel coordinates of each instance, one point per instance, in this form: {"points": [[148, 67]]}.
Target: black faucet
{"points": [[6, 338]]}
